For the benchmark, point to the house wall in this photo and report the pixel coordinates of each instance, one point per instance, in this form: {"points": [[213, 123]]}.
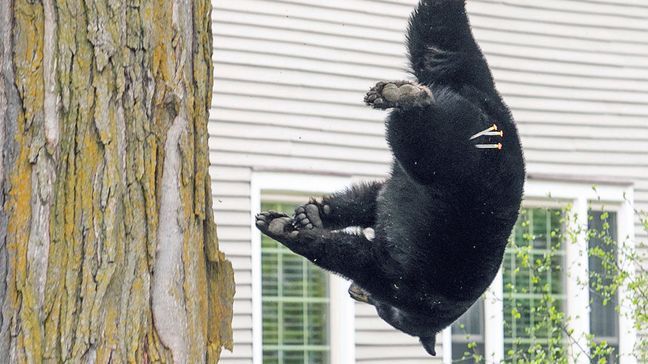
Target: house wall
{"points": [[290, 76]]}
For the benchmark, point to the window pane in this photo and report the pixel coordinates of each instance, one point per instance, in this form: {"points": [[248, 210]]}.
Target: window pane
{"points": [[604, 324], [470, 323], [270, 357], [293, 275], [318, 357], [271, 323], [294, 357], [317, 282], [468, 334], [269, 274], [463, 354], [533, 283], [539, 228], [318, 324], [295, 304]]}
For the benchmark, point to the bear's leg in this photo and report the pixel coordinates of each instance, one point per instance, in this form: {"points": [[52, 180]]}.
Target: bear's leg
{"points": [[346, 254], [398, 94], [355, 206]]}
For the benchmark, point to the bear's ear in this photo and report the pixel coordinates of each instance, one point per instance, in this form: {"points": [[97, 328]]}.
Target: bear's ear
{"points": [[429, 343]]}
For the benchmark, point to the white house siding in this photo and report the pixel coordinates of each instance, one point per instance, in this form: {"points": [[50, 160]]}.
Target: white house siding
{"points": [[290, 76]]}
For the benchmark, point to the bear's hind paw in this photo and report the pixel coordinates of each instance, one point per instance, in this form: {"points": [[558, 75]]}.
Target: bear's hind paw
{"points": [[309, 216], [398, 94]]}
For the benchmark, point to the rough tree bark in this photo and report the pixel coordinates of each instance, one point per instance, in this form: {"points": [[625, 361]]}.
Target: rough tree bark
{"points": [[108, 248]]}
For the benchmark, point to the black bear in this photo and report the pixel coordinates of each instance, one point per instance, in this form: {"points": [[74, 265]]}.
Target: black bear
{"points": [[443, 217]]}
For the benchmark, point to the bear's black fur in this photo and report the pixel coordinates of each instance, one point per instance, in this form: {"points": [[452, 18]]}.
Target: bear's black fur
{"points": [[443, 218]]}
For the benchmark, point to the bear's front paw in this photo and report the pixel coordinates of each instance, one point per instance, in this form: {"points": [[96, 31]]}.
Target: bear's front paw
{"points": [[401, 94], [310, 216], [277, 226]]}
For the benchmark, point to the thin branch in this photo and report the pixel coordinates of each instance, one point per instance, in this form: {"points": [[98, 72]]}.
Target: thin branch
{"points": [[580, 347]]}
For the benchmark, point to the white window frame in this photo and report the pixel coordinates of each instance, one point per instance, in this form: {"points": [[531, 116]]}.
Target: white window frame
{"points": [[558, 192], [341, 307]]}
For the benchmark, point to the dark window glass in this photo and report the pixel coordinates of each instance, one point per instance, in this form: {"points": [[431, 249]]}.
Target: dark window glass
{"points": [[468, 335], [604, 320]]}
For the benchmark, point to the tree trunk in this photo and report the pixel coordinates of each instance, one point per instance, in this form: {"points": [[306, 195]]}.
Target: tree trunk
{"points": [[108, 248]]}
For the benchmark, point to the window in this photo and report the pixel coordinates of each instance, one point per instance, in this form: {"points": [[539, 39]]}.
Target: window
{"points": [[295, 304], [537, 232], [326, 315], [468, 335], [604, 320], [515, 314]]}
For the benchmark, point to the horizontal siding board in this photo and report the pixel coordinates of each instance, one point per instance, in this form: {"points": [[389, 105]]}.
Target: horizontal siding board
{"points": [[371, 323], [243, 321], [289, 76], [315, 150], [295, 92], [413, 351], [523, 63], [579, 132], [241, 354], [581, 7], [623, 25], [242, 338], [228, 173], [304, 50], [336, 12], [595, 147], [584, 170], [578, 107], [621, 3], [302, 164], [323, 40], [302, 132], [226, 203], [578, 57], [278, 61], [340, 125], [385, 337], [575, 119], [243, 306], [243, 291], [585, 158], [576, 82], [240, 264], [229, 360], [572, 93], [234, 188], [364, 7], [234, 218], [350, 30], [237, 249], [298, 107], [558, 42], [233, 233], [602, 33]]}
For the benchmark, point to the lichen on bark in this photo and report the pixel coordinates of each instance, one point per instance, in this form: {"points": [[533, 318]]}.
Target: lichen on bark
{"points": [[90, 124]]}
